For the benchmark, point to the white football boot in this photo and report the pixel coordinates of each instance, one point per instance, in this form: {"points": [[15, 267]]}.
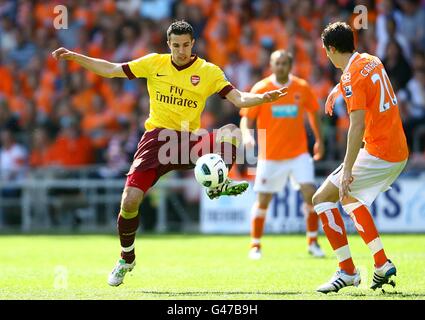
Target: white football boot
{"points": [[255, 253], [383, 274], [315, 250], [117, 275], [228, 188], [339, 281]]}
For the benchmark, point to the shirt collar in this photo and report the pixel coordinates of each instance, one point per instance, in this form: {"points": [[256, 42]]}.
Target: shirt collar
{"points": [[352, 58], [187, 65], [278, 84]]}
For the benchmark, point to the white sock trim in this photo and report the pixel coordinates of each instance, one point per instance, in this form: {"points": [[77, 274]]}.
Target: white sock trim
{"points": [[307, 208], [324, 206], [128, 249], [375, 245], [358, 226], [350, 207], [343, 253], [255, 241], [311, 234], [257, 212], [331, 222]]}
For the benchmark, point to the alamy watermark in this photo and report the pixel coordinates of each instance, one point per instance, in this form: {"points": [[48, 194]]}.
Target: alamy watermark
{"points": [[184, 147], [361, 19], [61, 19], [61, 277]]}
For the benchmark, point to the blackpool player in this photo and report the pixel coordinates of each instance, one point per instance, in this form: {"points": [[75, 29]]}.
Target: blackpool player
{"points": [[283, 153], [178, 84], [375, 156]]}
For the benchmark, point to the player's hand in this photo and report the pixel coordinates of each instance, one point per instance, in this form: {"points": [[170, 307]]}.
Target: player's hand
{"points": [[63, 53], [330, 101], [274, 95], [346, 180], [318, 150]]}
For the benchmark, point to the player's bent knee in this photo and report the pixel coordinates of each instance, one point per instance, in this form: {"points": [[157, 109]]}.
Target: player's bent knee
{"points": [[317, 198], [229, 126], [230, 130], [229, 133], [131, 199]]}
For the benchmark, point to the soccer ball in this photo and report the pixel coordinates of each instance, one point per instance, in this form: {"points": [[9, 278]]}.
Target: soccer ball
{"points": [[210, 170]]}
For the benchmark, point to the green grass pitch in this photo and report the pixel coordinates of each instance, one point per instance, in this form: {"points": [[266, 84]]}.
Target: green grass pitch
{"points": [[196, 267]]}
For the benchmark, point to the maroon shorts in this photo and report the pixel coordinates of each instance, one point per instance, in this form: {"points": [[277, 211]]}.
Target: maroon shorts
{"points": [[162, 150]]}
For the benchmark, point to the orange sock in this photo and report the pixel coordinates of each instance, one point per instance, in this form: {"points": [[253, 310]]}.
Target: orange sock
{"points": [[366, 228], [257, 225], [311, 223], [334, 228]]}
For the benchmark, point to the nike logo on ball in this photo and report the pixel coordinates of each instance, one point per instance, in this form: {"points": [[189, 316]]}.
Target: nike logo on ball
{"points": [[160, 75]]}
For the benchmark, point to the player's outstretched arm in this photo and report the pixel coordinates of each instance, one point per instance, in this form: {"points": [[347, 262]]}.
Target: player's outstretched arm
{"points": [[248, 99], [247, 126], [330, 101], [99, 66], [354, 143], [319, 147]]}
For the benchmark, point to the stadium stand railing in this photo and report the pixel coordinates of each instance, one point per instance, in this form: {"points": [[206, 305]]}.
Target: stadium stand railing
{"points": [[35, 198]]}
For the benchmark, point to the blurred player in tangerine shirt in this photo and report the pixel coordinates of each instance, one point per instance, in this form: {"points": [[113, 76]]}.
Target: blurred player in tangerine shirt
{"points": [[284, 153], [366, 171]]}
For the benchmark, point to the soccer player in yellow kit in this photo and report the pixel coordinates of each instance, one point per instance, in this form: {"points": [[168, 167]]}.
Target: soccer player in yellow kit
{"points": [[179, 84]]}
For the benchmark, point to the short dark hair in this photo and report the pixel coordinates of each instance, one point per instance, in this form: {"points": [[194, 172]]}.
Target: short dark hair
{"points": [[178, 28], [340, 36]]}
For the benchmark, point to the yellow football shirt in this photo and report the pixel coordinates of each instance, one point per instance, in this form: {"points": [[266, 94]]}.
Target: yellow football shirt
{"points": [[177, 94]]}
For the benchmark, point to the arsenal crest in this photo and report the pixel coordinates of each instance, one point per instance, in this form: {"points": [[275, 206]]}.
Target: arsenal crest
{"points": [[195, 79]]}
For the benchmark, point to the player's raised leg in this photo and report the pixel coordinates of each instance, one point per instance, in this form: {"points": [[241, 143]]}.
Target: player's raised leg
{"points": [[366, 228], [324, 201], [311, 220], [227, 141], [258, 218]]}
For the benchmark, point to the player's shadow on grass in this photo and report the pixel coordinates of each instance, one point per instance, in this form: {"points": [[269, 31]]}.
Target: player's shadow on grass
{"points": [[381, 293], [397, 294], [203, 293]]}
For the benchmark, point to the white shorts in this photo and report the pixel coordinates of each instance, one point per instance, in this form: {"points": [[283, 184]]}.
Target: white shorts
{"points": [[371, 175], [272, 175]]}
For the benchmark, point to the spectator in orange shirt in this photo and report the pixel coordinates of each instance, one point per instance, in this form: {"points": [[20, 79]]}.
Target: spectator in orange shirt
{"points": [[99, 123], [249, 49], [71, 148], [41, 151]]}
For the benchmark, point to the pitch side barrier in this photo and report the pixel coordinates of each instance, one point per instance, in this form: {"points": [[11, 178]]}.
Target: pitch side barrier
{"points": [[399, 210], [34, 200]]}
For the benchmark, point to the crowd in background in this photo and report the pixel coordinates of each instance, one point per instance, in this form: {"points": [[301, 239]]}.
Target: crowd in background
{"points": [[57, 114]]}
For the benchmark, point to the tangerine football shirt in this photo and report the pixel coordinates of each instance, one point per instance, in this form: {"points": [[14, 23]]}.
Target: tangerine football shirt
{"points": [[283, 120], [365, 86], [177, 93]]}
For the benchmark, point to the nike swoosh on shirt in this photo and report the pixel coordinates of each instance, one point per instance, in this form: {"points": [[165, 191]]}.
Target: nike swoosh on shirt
{"points": [[160, 75]]}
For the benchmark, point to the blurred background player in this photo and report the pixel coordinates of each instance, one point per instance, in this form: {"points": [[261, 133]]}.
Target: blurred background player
{"points": [[283, 153], [375, 156], [179, 84]]}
